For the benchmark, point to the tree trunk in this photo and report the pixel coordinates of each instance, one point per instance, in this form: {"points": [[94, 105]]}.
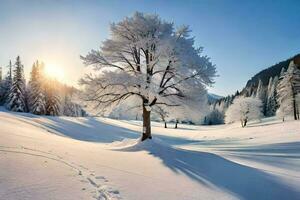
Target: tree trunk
{"points": [[294, 105], [166, 125], [242, 123], [245, 122], [146, 124], [176, 123]]}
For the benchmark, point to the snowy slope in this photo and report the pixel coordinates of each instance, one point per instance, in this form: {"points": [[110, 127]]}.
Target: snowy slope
{"points": [[88, 158]]}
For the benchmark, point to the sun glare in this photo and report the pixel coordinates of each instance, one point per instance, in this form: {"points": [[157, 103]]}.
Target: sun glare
{"points": [[54, 71]]}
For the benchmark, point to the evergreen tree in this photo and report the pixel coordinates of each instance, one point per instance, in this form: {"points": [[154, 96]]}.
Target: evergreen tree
{"points": [[6, 85], [260, 92], [72, 109], [36, 90], [282, 72], [53, 101], [261, 95], [288, 88], [272, 104], [17, 96], [269, 86]]}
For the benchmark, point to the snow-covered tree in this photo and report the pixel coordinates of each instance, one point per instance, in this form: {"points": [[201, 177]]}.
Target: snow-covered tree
{"points": [[214, 117], [53, 98], [16, 100], [36, 90], [260, 92], [6, 85], [282, 72], [269, 86], [71, 105], [72, 109], [145, 57], [244, 109], [288, 88], [271, 104], [162, 113]]}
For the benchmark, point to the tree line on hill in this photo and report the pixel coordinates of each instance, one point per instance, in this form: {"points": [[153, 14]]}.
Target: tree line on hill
{"points": [[279, 96], [42, 95]]}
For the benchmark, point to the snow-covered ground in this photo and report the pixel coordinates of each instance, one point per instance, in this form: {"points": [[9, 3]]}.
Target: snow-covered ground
{"points": [[96, 158]]}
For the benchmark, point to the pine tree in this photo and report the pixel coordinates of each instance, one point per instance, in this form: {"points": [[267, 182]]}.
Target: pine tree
{"points": [[17, 96], [269, 86], [6, 85], [36, 90], [261, 95], [53, 101], [260, 92], [272, 104], [282, 72], [288, 88]]}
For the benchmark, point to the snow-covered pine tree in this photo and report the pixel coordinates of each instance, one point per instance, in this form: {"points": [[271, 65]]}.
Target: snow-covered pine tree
{"points": [[288, 88], [269, 86], [147, 58], [6, 85], [261, 94], [53, 98], [72, 109], [272, 104], [16, 100], [36, 90], [282, 72]]}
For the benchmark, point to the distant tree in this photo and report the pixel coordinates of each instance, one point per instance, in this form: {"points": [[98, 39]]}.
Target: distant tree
{"points": [[70, 108], [16, 100], [282, 72], [269, 86], [214, 117], [261, 93], [53, 98], [244, 109], [146, 58], [6, 85], [288, 88], [36, 90], [162, 113], [272, 104]]}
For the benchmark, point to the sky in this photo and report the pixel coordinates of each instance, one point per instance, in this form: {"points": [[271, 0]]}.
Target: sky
{"points": [[240, 37]]}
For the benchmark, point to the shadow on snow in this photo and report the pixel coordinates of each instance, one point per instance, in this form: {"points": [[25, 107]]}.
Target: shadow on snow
{"points": [[245, 182]]}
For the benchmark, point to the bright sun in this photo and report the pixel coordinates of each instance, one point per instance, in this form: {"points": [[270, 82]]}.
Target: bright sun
{"points": [[54, 71]]}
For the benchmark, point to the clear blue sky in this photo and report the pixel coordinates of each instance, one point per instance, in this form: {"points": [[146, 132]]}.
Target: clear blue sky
{"points": [[241, 37]]}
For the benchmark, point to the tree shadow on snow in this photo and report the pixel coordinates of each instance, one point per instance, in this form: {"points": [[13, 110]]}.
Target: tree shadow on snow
{"points": [[89, 129], [283, 155], [245, 182]]}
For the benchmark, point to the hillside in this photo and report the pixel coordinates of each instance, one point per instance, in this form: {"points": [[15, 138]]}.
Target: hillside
{"points": [[88, 158], [265, 74], [213, 97]]}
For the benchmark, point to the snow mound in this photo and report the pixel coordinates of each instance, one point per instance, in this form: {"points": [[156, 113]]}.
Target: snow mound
{"points": [[125, 143], [138, 145]]}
